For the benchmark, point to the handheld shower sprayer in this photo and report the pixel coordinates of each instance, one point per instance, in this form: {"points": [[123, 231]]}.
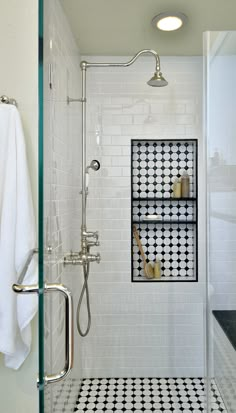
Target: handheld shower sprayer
{"points": [[95, 166]]}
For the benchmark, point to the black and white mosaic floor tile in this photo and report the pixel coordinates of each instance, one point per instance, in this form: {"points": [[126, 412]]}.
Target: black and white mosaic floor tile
{"points": [[64, 396], [145, 395]]}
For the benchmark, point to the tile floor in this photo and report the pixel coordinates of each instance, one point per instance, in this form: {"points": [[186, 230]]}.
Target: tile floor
{"points": [[64, 396], [145, 395]]}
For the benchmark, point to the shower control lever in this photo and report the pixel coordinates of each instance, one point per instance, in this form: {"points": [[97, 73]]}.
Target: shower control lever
{"points": [[80, 259], [93, 244], [92, 258], [90, 234]]}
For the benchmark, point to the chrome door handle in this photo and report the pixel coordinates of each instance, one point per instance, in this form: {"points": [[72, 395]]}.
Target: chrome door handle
{"points": [[69, 336]]}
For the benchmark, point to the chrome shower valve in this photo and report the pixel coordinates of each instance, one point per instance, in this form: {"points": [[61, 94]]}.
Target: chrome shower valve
{"points": [[91, 234], [87, 258], [93, 244], [72, 259], [94, 258], [81, 259]]}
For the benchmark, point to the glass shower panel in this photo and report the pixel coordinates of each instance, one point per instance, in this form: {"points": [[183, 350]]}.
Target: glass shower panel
{"points": [[221, 176], [147, 329], [40, 208], [61, 202]]}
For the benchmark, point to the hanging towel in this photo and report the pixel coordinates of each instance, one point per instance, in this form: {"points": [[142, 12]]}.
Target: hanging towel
{"points": [[17, 239]]}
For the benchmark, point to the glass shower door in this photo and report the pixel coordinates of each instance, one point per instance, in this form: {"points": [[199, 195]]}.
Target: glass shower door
{"points": [[49, 284], [220, 52], [40, 214], [58, 208]]}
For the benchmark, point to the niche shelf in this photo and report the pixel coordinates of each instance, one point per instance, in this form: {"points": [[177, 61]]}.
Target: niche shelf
{"points": [[173, 238]]}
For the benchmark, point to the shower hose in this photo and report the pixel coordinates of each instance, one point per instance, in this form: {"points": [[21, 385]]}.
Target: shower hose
{"points": [[85, 289]]}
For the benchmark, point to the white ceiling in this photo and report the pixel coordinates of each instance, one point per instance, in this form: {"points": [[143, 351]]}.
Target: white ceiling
{"points": [[122, 27]]}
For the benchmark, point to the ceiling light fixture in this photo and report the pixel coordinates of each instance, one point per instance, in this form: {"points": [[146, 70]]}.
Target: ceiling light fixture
{"points": [[169, 21]]}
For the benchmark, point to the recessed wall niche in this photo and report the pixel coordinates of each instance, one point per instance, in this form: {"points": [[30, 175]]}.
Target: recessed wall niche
{"points": [[164, 222]]}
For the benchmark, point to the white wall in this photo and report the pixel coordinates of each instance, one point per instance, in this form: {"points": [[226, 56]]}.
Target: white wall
{"points": [[139, 329], [19, 70], [18, 79]]}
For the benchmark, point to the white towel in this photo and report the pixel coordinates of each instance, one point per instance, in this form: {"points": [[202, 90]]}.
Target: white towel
{"points": [[17, 238]]}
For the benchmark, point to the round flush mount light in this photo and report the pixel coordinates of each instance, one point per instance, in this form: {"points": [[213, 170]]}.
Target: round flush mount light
{"points": [[169, 21]]}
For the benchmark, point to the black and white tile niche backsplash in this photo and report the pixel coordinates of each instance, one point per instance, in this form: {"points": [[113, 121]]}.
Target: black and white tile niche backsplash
{"points": [[155, 166]]}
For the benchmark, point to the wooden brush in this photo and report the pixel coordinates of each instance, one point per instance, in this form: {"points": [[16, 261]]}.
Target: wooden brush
{"points": [[148, 268]]}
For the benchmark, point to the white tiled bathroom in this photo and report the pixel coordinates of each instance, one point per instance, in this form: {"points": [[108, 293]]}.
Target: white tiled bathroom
{"points": [[136, 293]]}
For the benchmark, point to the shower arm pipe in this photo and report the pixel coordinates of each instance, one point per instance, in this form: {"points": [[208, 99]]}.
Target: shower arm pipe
{"points": [[85, 64]]}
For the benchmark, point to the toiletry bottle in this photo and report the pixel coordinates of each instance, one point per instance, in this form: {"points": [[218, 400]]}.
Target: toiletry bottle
{"points": [[185, 185], [157, 269], [177, 188]]}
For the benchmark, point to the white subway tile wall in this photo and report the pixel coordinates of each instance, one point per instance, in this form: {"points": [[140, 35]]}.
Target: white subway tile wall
{"points": [[62, 170], [136, 330], [153, 330]]}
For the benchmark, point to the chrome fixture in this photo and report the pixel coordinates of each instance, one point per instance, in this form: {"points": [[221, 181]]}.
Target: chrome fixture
{"points": [[157, 80], [6, 99], [95, 165], [71, 100], [69, 346], [20, 288], [169, 22], [26, 266], [76, 258], [90, 239]]}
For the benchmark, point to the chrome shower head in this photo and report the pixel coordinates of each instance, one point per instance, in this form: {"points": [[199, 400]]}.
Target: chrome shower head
{"points": [[95, 165], [157, 80]]}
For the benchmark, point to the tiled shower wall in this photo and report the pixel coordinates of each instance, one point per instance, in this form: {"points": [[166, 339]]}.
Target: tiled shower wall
{"points": [[62, 160], [147, 329]]}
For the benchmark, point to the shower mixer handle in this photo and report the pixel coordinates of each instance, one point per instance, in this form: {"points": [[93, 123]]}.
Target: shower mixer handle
{"points": [[94, 258], [93, 244], [79, 258], [90, 234]]}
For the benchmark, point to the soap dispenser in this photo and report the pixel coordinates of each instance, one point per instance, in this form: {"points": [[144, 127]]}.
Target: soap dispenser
{"points": [[185, 185], [177, 188], [157, 269]]}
